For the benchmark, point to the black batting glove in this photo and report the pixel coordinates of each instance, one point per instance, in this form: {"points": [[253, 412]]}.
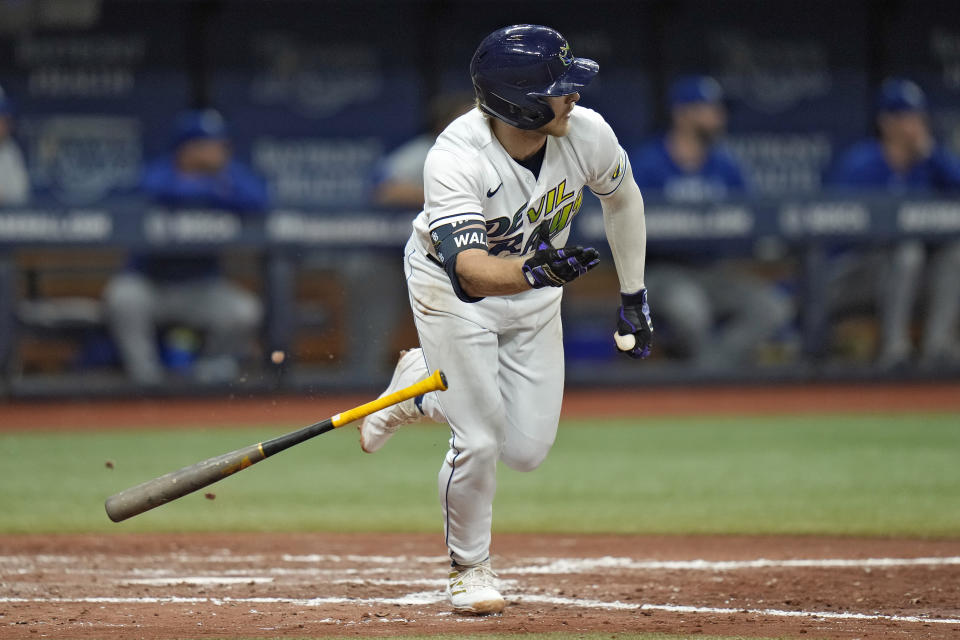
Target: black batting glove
{"points": [[552, 267], [634, 336], [557, 267]]}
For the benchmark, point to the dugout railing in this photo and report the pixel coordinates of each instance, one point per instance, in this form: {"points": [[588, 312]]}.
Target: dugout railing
{"points": [[274, 252]]}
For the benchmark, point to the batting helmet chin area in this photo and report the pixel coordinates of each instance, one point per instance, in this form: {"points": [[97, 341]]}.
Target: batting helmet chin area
{"points": [[515, 67]]}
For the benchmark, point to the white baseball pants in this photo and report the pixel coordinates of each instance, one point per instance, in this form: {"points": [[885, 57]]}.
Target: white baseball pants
{"points": [[503, 358]]}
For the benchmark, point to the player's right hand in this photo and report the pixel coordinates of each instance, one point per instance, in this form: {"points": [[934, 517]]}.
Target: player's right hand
{"points": [[634, 335], [549, 267]]}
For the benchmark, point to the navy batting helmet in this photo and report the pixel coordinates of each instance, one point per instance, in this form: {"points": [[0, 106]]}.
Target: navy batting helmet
{"points": [[515, 67]]}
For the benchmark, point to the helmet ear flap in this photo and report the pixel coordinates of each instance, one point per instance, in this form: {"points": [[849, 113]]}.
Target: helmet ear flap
{"points": [[533, 116]]}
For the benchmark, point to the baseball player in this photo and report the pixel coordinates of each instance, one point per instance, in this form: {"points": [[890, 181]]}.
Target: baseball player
{"points": [[485, 265]]}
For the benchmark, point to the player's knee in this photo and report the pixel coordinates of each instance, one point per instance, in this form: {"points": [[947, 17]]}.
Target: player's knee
{"points": [[526, 462], [687, 311], [531, 457], [242, 312], [127, 295], [909, 256], [479, 451], [248, 312], [774, 308]]}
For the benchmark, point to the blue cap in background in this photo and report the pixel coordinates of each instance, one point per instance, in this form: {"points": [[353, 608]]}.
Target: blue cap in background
{"points": [[695, 89], [6, 104], [199, 124], [899, 94]]}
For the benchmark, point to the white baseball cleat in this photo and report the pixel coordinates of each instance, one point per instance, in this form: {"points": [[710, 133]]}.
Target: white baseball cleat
{"points": [[474, 589], [377, 428]]}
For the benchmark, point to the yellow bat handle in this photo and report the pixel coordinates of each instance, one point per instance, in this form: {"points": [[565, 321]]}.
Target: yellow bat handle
{"points": [[436, 382]]}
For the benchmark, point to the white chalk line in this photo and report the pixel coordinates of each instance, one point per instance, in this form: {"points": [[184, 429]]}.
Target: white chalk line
{"points": [[583, 565], [421, 598], [145, 559], [172, 581], [313, 557], [531, 566], [676, 608], [198, 580], [527, 566], [416, 582], [224, 557], [435, 597], [308, 572]]}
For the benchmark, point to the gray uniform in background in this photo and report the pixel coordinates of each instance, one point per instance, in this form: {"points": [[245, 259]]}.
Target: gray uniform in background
{"points": [[890, 280], [14, 181], [226, 314], [717, 314]]}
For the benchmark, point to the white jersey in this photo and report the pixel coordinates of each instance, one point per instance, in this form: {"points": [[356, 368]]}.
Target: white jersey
{"points": [[468, 176]]}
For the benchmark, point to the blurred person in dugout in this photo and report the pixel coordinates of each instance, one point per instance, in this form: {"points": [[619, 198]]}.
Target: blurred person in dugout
{"points": [[904, 158], [14, 180], [710, 309], [187, 290], [398, 180], [398, 185]]}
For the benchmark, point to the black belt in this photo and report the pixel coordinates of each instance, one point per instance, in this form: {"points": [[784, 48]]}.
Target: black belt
{"points": [[434, 260]]}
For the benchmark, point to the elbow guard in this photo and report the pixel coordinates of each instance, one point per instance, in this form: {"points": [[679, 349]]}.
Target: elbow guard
{"points": [[449, 240]]}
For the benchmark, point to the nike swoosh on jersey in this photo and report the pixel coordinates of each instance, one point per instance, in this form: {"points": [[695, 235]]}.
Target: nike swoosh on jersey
{"points": [[490, 193]]}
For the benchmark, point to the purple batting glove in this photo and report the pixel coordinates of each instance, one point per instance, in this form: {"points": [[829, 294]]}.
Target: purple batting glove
{"points": [[557, 267], [633, 319]]}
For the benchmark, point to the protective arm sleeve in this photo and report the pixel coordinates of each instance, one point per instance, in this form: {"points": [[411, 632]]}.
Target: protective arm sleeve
{"points": [[626, 230]]}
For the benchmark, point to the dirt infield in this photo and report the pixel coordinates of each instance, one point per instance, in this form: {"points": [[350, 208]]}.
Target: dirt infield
{"points": [[297, 585], [646, 402], [267, 585]]}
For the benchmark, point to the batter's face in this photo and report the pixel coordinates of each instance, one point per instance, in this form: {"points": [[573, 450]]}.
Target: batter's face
{"points": [[562, 106]]}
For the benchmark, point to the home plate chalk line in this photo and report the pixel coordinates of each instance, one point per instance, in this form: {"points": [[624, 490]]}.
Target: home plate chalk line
{"points": [[544, 565], [435, 597], [17, 564]]}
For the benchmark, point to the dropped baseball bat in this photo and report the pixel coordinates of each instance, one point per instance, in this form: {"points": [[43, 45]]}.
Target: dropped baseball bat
{"points": [[176, 484]]}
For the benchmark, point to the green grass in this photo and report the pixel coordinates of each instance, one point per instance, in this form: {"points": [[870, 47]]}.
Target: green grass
{"points": [[875, 476]]}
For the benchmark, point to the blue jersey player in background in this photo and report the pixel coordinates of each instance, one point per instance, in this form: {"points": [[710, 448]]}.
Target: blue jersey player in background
{"points": [[904, 159], [163, 290], [712, 311], [688, 163]]}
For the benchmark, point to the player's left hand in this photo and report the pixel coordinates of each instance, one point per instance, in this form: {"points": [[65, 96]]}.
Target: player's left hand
{"points": [[552, 267], [634, 335], [556, 267]]}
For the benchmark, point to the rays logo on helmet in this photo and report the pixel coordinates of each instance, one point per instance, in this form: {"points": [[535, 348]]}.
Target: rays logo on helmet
{"points": [[565, 56]]}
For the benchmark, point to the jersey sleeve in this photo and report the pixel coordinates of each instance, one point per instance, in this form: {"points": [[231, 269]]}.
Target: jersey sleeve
{"points": [[606, 160], [451, 190]]}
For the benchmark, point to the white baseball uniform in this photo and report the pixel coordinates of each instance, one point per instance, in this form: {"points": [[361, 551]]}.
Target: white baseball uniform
{"points": [[503, 355]]}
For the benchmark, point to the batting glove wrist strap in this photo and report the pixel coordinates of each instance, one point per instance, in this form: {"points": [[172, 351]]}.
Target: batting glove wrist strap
{"points": [[550, 267], [633, 318]]}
